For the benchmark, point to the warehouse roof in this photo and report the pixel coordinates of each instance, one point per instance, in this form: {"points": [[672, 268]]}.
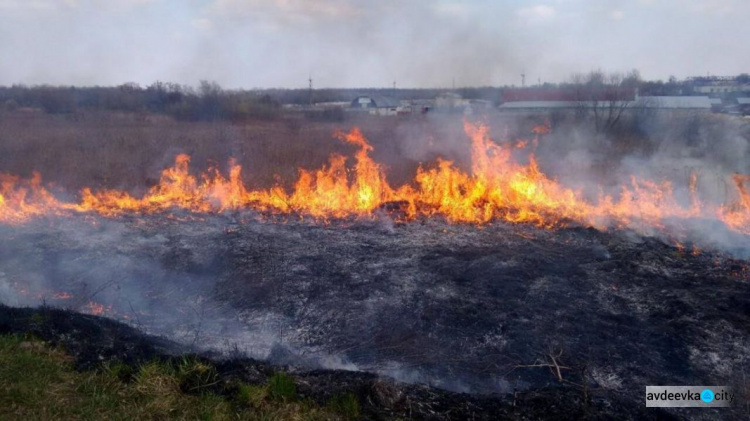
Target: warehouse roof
{"points": [[682, 102], [667, 102]]}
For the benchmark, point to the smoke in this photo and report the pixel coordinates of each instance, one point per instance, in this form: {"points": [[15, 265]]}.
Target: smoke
{"points": [[678, 148], [359, 43], [154, 280], [180, 280]]}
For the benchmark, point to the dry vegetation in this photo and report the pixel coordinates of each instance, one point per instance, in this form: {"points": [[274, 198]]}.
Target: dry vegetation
{"points": [[119, 150], [128, 151]]}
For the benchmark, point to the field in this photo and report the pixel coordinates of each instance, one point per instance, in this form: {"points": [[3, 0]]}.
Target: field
{"points": [[128, 151], [484, 316]]}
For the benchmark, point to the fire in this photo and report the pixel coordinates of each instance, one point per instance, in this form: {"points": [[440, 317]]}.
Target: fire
{"points": [[499, 187], [21, 200], [696, 251], [328, 192], [96, 309], [737, 216]]}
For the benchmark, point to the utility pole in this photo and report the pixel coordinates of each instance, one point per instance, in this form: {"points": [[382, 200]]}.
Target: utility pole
{"points": [[523, 79], [310, 91]]}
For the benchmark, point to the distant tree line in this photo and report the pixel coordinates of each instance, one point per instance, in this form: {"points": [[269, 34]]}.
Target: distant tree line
{"points": [[303, 96], [207, 102]]}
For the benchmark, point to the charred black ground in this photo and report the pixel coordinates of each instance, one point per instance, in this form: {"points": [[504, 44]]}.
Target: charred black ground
{"points": [[482, 310], [95, 341]]}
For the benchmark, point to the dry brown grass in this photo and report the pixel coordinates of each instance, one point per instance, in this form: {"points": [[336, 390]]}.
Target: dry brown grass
{"points": [[128, 151]]}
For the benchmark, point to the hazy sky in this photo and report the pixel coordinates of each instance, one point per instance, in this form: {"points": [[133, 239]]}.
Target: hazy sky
{"points": [[359, 43]]}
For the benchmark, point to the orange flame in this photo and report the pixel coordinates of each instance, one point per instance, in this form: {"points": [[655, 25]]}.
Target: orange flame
{"points": [[498, 188], [328, 192], [737, 215], [96, 309], [21, 200]]}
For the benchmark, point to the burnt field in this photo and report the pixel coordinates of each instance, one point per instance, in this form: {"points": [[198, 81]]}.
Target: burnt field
{"points": [[502, 282], [492, 310]]}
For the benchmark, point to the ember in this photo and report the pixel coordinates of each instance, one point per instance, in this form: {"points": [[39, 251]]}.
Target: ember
{"points": [[96, 309]]}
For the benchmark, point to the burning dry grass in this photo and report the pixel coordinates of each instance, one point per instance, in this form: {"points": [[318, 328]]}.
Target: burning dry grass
{"points": [[499, 187], [38, 382], [127, 151]]}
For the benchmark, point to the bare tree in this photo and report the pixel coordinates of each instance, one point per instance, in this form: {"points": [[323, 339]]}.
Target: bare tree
{"points": [[605, 96]]}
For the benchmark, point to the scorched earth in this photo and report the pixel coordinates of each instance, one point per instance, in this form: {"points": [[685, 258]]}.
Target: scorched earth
{"points": [[492, 309]]}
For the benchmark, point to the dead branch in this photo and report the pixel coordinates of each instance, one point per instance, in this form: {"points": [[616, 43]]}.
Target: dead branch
{"points": [[552, 363]]}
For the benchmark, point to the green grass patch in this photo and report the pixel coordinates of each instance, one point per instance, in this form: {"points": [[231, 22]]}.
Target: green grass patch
{"points": [[195, 375], [38, 319], [252, 395], [39, 382], [281, 387], [346, 405]]}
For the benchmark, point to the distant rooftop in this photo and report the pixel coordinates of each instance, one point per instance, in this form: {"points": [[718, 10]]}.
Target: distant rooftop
{"points": [[709, 80], [682, 102], [540, 104], [379, 101], [561, 104], [567, 94], [666, 102]]}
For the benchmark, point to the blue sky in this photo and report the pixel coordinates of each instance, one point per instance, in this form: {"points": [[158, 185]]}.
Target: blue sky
{"points": [[353, 43]]}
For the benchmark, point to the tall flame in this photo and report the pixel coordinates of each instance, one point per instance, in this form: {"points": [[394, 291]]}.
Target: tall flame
{"points": [[497, 188], [737, 215], [329, 192]]}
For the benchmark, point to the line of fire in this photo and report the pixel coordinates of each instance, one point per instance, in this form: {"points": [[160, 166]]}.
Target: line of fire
{"points": [[374, 210], [497, 188]]}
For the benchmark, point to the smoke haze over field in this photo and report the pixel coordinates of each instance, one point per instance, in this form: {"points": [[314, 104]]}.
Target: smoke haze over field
{"points": [[350, 43]]}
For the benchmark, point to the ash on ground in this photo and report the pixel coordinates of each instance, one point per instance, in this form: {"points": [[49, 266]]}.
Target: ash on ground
{"points": [[493, 309]]}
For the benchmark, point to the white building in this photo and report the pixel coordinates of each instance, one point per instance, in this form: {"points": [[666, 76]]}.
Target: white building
{"points": [[450, 100], [376, 104], [719, 85], [682, 103]]}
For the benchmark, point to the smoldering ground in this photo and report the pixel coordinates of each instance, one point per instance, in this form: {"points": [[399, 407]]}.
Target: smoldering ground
{"points": [[459, 307]]}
